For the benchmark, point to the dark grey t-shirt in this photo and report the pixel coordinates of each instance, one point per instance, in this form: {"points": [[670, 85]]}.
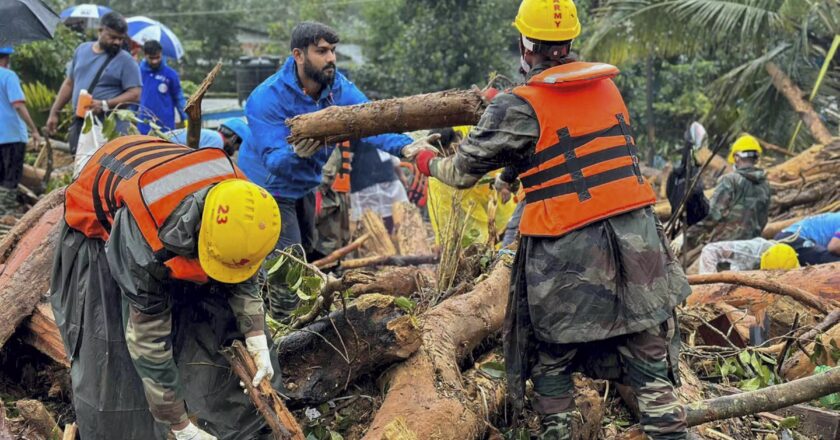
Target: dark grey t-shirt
{"points": [[122, 74]]}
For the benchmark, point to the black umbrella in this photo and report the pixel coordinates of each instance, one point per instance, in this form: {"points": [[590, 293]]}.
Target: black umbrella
{"points": [[25, 21]]}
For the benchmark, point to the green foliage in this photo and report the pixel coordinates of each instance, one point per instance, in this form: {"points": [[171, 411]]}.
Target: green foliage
{"points": [[188, 87], [289, 269], [39, 99], [421, 46], [755, 370], [45, 61]]}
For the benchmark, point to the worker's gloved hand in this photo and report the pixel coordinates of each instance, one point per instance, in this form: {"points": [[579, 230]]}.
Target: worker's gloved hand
{"points": [[258, 349], [307, 147], [677, 244], [423, 160], [428, 143], [191, 432], [503, 188]]}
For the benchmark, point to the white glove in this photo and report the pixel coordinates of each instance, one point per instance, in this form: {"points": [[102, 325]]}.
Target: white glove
{"points": [[191, 432], [258, 349], [410, 151], [677, 244], [307, 147]]}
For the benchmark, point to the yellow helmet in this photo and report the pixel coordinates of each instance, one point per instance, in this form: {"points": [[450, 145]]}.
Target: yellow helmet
{"points": [[239, 227], [742, 144], [780, 256], [548, 20]]}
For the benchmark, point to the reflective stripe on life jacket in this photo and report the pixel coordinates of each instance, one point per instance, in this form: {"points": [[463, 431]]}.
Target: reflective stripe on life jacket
{"points": [[585, 167], [150, 177], [341, 184]]}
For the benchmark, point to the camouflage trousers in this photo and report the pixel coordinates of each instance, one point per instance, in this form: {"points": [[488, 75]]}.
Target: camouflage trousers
{"points": [[643, 360]]}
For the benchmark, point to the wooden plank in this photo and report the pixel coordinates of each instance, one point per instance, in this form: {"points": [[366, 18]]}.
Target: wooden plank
{"points": [[41, 332], [814, 422]]}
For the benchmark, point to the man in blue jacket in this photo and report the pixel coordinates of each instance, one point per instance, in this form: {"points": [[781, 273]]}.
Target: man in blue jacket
{"points": [[307, 82], [161, 96]]}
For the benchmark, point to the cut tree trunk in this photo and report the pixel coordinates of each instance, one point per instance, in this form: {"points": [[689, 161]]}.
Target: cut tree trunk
{"points": [[70, 432], [426, 394], [340, 123], [393, 281], [340, 252], [321, 360], [39, 419], [42, 333], [380, 241], [193, 107], [30, 219], [393, 260], [409, 230], [823, 281], [793, 94], [745, 279], [800, 365], [774, 228], [764, 400], [26, 275], [810, 161], [283, 424]]}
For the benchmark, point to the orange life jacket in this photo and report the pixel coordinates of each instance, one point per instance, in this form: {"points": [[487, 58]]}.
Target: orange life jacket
{"points": [[586, 166], [341, 184], [150, 177]]}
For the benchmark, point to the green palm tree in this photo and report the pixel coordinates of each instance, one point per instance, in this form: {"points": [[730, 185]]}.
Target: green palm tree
{"points": [[745, 35]]}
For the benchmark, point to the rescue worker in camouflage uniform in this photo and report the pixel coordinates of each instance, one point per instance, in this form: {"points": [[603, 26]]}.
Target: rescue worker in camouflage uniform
{"points": [[594, 285], [156, 271], [739, 207]]}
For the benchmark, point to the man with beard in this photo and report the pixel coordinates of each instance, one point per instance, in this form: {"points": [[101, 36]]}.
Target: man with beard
{"points": [[109, 74], [307, 82]]}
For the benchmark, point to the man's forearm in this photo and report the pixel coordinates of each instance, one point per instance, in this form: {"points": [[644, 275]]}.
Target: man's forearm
{"points": [[129, 96], [444, 170], [63, 96], [21, 109], [247, 306]]}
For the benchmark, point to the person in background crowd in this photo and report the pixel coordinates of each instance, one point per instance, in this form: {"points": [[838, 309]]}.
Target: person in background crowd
{"points": [[162, 95], [816, 239], [14, 120], [105, 71]]}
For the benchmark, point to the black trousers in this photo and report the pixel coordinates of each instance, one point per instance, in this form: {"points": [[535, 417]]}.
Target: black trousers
{"points": [[11, 164]]}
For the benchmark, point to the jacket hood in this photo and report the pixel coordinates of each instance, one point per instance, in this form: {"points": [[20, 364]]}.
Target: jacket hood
{"points": [[754, 175]]}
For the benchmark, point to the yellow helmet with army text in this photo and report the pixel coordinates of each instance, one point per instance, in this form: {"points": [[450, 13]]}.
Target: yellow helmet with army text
{"points": [[548, 20]]}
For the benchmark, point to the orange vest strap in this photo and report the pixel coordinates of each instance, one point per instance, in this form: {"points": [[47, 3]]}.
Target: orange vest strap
{"points": [[187, 269]]}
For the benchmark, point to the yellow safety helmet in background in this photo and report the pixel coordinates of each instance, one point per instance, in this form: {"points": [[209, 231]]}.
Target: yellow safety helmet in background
{"points": [[743, 144], [780, 256], [240, 226], [462, 130], [548, 20]]}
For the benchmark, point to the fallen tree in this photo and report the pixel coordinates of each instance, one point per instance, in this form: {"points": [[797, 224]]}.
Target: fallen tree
{"points": [[336, 124], [426, 393], [321, 360]]}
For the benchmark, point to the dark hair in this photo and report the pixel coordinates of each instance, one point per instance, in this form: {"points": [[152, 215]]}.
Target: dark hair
{"points": [[311, 32], [115, 22], [554, 50], [4, 56], [152, 47]]}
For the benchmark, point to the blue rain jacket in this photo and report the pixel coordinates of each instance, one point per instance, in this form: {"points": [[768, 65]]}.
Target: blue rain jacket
{"points": [[268, 159]]}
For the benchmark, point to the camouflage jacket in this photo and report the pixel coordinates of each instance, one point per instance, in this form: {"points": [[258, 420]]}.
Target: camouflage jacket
{"points": [[145, 285], [610, 278], [738, 208]]}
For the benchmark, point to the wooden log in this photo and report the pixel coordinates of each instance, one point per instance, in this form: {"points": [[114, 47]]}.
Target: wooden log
{"points": [[31, 218], [70, 431], [340, 252], [336, 124], [380, 242], [773, 228], [804, 163], [39, 419], [767, 399], [409, 230], [42, 333], [393, 260], [743, 279], [392, 281], [25, 278], [4, 427], [426, 392], [822, 280], [282, 423], [321, 360], [793, 94], [800, 364], [193, 107]]}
